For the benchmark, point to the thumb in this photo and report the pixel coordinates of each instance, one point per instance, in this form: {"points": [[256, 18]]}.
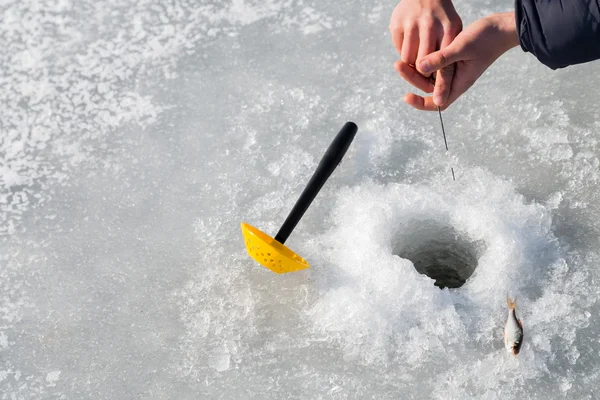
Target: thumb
{"points": [[442, 58]]}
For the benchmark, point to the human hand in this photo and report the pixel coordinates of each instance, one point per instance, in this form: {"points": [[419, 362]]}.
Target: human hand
{"points": [[420, 27], [471, 53]]}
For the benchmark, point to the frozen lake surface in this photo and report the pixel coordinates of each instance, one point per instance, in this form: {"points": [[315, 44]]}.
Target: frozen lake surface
{"points": [[136, 136]]}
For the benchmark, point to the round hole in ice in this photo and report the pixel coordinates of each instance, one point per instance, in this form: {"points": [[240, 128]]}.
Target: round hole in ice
{"points": [[438, 251]]}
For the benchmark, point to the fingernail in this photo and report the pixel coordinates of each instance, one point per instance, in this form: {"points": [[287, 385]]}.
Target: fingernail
{"points": [[438, 100], [424, 66]]}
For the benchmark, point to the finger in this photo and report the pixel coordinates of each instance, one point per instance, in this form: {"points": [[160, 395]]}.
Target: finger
{"points": [[397, 38], [427, 41], [441, 58], [420, 103], [444, 76], [413, 77], [443, 84], [450, 33], [410, 45]]}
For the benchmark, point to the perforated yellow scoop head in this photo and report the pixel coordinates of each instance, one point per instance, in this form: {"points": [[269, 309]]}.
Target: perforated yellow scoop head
{"points": [[270, 253]]}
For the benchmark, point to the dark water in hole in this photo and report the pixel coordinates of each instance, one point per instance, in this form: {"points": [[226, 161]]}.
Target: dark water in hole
{"points": [[439, 252]]}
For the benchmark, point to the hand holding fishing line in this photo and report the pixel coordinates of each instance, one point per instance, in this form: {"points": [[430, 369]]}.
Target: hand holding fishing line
{"points": [[472, 52], [559, 34], [420, 27]]}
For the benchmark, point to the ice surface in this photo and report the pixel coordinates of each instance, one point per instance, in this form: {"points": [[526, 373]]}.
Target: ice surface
{"points": [[136, 136]]}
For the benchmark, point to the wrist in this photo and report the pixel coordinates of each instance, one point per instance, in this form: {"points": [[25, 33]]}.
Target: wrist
{"points": [[507, 26]]}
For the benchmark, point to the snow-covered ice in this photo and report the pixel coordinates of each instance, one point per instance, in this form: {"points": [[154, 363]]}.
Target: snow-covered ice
{"points": [[137, 135]]}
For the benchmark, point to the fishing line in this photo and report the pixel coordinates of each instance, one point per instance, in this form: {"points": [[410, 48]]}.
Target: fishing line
{"points": [[443, 130]]}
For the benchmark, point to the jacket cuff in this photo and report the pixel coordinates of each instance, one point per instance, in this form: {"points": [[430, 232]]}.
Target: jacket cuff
{"points": [[522, 27]]}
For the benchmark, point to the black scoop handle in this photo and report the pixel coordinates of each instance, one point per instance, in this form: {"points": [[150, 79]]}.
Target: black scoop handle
{"points": [[331, 159]]}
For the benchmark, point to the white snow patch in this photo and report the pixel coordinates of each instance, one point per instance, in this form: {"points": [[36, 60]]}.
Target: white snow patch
{"points": [[52, 377]]}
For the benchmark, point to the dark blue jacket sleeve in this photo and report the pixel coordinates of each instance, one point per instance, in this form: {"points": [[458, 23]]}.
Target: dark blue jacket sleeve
{"points": [[559, 32]]}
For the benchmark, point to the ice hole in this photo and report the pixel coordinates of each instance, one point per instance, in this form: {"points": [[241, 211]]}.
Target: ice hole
{"points": [[439, 251]]}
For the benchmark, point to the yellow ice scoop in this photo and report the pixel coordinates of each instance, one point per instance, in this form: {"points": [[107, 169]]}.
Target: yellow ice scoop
{"points": [[272, 253]]}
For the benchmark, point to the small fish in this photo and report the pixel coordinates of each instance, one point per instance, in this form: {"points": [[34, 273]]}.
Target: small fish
{"points": [[513, 330]]}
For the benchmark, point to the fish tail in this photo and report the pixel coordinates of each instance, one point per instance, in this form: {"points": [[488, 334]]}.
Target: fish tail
{"points": [[511, 304]]}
